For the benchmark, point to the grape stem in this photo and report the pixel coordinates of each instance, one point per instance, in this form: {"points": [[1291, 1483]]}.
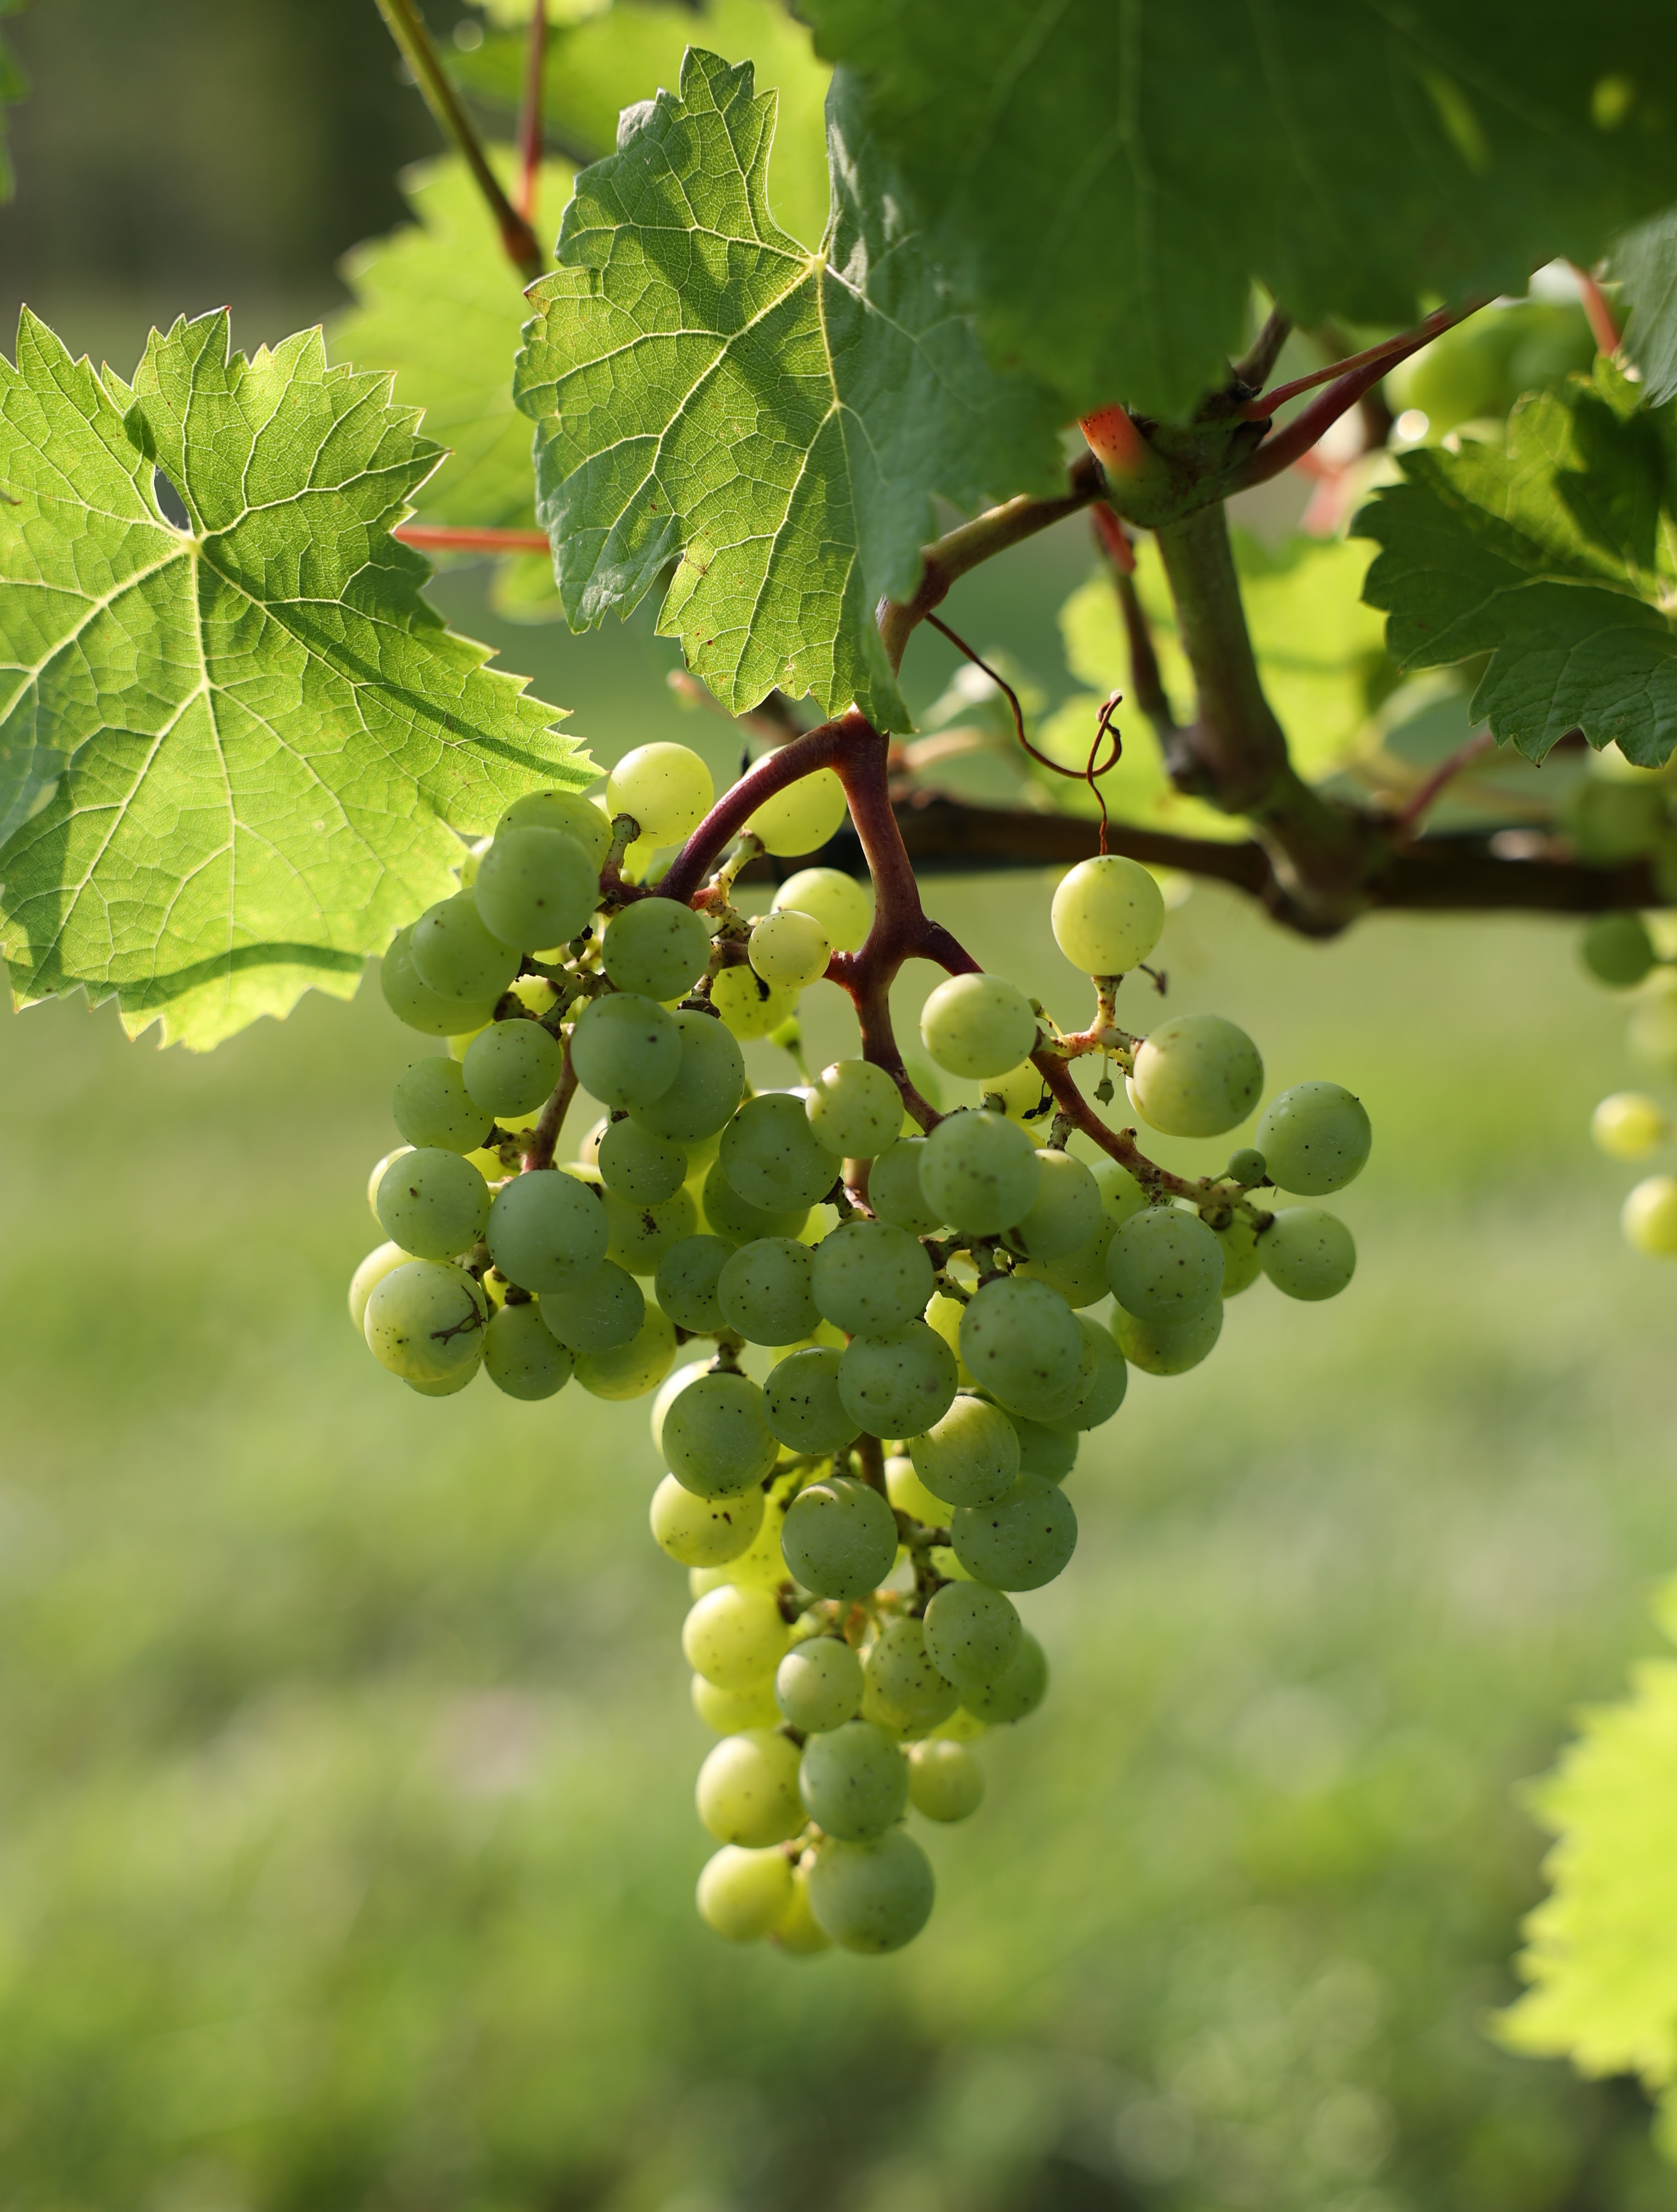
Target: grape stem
{"points": [[871, 1459], [545, 1140], [531, 137]]}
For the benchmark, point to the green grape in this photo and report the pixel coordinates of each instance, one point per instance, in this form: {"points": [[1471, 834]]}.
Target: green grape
{"points": [[512, 1067], [759, 1566], [1617, 949], [978, 1025], [843, 907], [790, 951], [710, 1076], [972, 1634], [670, 1391], [1045, 1448], [945, 1782], [802, 818], [384, 1260], [602, 1313], [1107, 1384], [1241, 1268], [903, 1690], [1021, 1540], [1248, 1166], [980, 1171], [1172, 1347], [742, 1894], [535, 887], [729, 1216], [840, 1538], [797, 1931], [413, 1001], [818, 1684], [853, 1781], [909, 1495], [855, 1110], [562, 810], [1648, 1218], [870, 1278], [667, 788], [1314, 1138], [431, 1106], [1307, 1254], [521, 1355], [626, 1050], [770, 1155], [378, 1175], [656, 948], [894, 1188], [1108, 915], [1015, 1694], [632, 1369], [801, 1402], [735, 1636], [456, 957], [1021, 1090], [638, 1168], [731, 1712], [898, 1384], [433, 1204], [961, 1727], [1197, 1076], [1080, 1278], [638, 1237], [1164, 1262], [1650, 1032], [1021, 1342], [1122, 1195], [704, 1532], [715, 1438], [969, 1457], [425, 1322], [1065, 1214], [873, 1897], [547, 1230], [1628, 1125], [685, 1284], [444, 1389], [750, 1007], [764, 1291], [747, 1790]]}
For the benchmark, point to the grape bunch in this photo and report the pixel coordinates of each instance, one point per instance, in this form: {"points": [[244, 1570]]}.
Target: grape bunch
{"points": [[898, 1308]]}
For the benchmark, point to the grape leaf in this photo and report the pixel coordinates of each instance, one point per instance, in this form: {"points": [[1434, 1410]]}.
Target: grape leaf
{"points": [[1556, 556], [13, 86], [1644, 262], [233, 758], [1103, 183], [777, 422], [1601, 1949]]}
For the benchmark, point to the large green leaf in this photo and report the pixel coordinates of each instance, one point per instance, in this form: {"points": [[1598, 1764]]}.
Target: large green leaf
{"points": [[1556, 555], [774, 421], [233, 758], [1644, 262], [1104, 182]]}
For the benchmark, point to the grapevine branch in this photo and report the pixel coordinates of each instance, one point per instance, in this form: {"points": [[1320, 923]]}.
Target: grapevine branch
{"points": [[530, 140]]}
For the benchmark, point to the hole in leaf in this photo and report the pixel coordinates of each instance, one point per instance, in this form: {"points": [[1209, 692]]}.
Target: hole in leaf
{"points": [[167, 498]]}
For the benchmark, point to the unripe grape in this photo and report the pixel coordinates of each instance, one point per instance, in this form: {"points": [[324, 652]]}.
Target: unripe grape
{"points": [[750, 1007], [638, 1237], [853, 1781], [1628, 1125], [637, 1168], [1045, 1448], [747, 1790], [1021, 1342], [945, 1782], [797, 1931], [771, 1156], [1106, 1385], [979, 1171], [972, 1633], [1648, 1217], [731, 1218], [735, 1636], [759, 1566], [686, 1284], [802, 818], [670, 1391], [969, 1457], [512, 1067], [764, 1291], [425, 1322], [1164, 1262], [903, 1689], [448, 1386], [1064, 1213], [801, 1402], [378, 1175], [1108, 914], [1314, 1138], [1015, 1694], [457, 957], [843, 907], [602, 1313], [1019, 1540], [742, 1894], [731, 1712], [1617, 949], [1122, 1195], [897, 1385], [534, 888], [547, 1230], [667, 789], [978, 1025], [840, 1538], [1242, 1265], [433, 1204], [715, 1438], [629, 1370], [657, 948], [870, 1278], [704, 1532], [909, 1495], [1196, 1076], [790, 951], [818, 1684], [626, 1050], [710, 1076], [562, 810], [435, 1013], [1306, 1253], [521, 1355], [1080, 1278], [1248, 1166], [1169, 1346], [383, 1260], [961, 1727], [854, 1108], [431, 1106], [894, 1189], [1022, 1092], [873, 1897]]}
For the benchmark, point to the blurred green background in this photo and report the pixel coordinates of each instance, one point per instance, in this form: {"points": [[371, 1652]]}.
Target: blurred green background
{"points": [[346, 1839]]}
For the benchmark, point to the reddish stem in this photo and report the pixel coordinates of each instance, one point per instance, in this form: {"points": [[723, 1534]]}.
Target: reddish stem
{"points": [[531, 136], [821, 747], [446, 538], [545, 1139], [1603, 323], [1389, 351], [1480, 742]]}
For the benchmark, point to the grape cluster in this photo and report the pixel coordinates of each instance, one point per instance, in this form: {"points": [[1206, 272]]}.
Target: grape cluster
{"points": [[867, 1465]]}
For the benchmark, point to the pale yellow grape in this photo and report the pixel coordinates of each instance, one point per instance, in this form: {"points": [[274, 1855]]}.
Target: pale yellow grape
{"points": [[1648, 1217], [383, 1260], [797, 1932], [1197, 1076], [945, 1782], [1628, 1125], [843, 907], [634, 1368], [944, 1315], [731, 1712], [909, 1495], [790, 951], [704, 1532], [747, 1790], [978, 1025], [801, 818], [1021, 1090], [742, 1894], [748, 1006], [667, 788], [855, 1110], [1108, 914], [377, 1176], [734, 1636], [761, 1566]]}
